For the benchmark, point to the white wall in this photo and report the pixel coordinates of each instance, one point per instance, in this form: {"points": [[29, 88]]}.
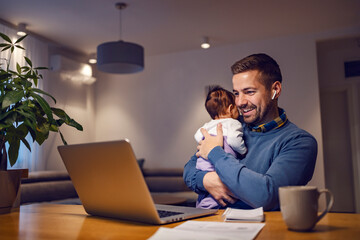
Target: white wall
{"points": [[160, 108], [77, 100]]}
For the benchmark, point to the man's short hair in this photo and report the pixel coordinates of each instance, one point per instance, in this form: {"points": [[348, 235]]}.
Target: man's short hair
{"points": [[218, 100], [266, 65]]}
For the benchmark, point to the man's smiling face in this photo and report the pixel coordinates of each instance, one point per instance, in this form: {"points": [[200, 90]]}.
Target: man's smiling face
{"points": [[252, 98]]}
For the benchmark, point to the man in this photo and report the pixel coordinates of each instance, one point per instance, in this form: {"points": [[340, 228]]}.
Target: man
{"points": [[279, 153]]}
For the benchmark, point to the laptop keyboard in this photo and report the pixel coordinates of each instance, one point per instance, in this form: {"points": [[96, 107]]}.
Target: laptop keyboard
{"points": [[163, 213]]}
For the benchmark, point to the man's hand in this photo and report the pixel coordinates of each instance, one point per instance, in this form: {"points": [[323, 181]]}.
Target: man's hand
{"points": [[217, 189], [209, 142]]}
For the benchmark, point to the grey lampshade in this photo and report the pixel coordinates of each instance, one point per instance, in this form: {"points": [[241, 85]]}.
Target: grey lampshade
{"points": [[120, 57]]}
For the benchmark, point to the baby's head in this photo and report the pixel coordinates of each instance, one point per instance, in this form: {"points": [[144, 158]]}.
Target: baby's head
{"points": [[220, 103]]}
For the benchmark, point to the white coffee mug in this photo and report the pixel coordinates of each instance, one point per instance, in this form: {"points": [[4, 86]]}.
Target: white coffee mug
{"points": [[299, 206]]}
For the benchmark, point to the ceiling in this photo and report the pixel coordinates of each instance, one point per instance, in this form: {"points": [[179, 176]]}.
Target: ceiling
{"points": [[166, 26]]}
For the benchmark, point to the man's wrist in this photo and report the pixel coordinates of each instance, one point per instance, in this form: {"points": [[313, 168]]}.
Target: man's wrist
{"points": [[215, 154]]}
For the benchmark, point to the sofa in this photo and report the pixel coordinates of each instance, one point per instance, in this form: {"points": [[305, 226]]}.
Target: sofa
{"points": [[56, 187]]}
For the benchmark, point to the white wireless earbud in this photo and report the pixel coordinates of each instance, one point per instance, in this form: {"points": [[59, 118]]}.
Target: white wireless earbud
{"points": [[273, 95]]}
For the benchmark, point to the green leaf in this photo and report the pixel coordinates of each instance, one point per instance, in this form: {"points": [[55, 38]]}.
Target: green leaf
{"points": [[12, 97], [60, 113], [41, 68], [38, 111], [14, 145], [42, 92], [26, 83], [28, 61], [44, 105], [22, 131], [26, 143], [28, 115], [68, 121], [17, 132], [75, 124], [4, 115], [4, 76], [25, 68], [6, 48], [30, 123], [5, 37], [30, 104], [13, 136], [4, 44], [54, 128], [63, 139], [18, 46], [20, 39], [42, 133], [2, 126], [18, 68], [40, 138], [59, 122], [9, 119], [10, 71], [31, 128]]}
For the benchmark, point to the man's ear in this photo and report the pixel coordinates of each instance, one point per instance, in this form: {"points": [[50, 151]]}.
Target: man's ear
{"points": [[276, 90]]}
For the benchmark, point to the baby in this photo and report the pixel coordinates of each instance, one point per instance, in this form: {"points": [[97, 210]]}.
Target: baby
{"points": [[221, 106]]}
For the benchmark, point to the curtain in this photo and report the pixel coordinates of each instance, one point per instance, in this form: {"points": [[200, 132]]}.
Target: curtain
{"points": [[37, 51]]}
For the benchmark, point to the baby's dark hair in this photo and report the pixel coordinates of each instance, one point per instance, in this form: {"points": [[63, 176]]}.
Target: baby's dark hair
{"points": [[218, 100]]}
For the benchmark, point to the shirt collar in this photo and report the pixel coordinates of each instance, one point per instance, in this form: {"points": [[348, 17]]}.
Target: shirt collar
{"points": [[276, 123]]}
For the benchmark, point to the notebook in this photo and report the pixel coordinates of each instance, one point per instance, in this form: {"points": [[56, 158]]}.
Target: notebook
{"points": [[109, 183]]}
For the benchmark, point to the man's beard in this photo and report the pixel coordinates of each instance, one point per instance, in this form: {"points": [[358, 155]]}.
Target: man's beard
{"points": [[258, 118]]}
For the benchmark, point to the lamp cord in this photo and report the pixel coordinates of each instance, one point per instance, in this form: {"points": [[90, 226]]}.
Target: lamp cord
{"points": [[120, 6], [120, 28]]}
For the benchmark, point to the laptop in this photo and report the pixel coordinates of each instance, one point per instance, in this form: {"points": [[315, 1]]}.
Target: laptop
{"points": [[109, 183]]}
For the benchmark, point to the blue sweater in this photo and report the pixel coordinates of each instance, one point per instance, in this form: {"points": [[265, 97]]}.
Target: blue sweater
{"points": [[281, 157]]}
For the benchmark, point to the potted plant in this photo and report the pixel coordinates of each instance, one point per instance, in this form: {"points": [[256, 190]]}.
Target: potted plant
{"points": [[23, 111]]}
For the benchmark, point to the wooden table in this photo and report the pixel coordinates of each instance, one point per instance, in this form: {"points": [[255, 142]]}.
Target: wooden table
{"points": [[50, 221]]}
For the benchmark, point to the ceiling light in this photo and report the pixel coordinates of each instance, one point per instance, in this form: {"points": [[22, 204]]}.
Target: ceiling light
{"points": [[120, 56], [92, 58], [205, 44], [21, 29]]}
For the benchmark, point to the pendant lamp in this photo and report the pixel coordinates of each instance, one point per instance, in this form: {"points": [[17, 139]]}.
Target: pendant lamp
{"points": [[120, 56]]}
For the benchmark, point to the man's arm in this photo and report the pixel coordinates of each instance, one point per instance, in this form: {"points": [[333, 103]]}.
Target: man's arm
{"points": [[194, 177], [201, 182], [293, 166]]}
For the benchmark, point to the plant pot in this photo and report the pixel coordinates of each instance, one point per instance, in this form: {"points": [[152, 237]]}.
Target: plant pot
{"points": [[10, 190]]}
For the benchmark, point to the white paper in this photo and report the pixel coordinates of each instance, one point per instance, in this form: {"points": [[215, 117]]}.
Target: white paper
{"points": [[199, 230], [232, 214], [175, 234], [227, 230]]}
